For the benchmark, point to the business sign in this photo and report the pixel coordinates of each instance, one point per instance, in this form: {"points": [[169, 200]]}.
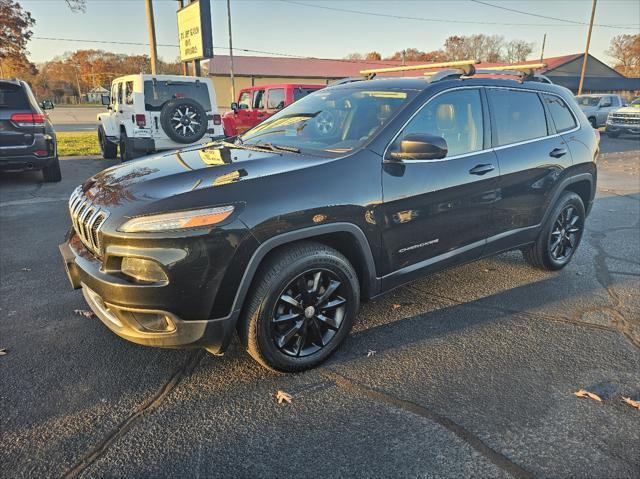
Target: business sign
{"points": [[194, 31]]}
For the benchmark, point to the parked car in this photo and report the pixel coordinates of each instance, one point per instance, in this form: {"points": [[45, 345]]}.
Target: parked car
{"points": [[598, 107], [258, 103], [27, 137], [624, 120], [345, 194], [147, 113]]}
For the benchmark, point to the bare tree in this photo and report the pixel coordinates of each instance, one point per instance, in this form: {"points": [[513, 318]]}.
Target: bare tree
{"points": [[517, 51], [353, 56], [77, 5], [625, 49]]}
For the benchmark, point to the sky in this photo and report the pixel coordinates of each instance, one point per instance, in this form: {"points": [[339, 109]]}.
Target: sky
{"points": [[292, 27]]}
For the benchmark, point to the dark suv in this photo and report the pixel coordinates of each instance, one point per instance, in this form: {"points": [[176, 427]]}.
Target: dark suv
{"points": [[348, 193], [27, 138]]}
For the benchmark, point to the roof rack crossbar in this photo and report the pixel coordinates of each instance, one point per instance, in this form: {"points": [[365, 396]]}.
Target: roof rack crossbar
{"points": [[463, 64]]}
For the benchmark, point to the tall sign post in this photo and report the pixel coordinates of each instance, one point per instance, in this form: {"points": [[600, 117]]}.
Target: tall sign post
{"points": [[195, 33], [586, 51], [152, 37]]}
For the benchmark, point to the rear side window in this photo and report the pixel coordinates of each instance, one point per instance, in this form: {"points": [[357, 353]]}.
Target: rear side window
{"points": [[301, 93], [560, 113], [156, 94], [129, 93], [120, 93], [275, 100], [13, 97], [517, 116]]}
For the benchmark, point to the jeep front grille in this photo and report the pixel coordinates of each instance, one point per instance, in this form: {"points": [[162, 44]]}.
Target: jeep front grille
{"points": [[87, 219]]}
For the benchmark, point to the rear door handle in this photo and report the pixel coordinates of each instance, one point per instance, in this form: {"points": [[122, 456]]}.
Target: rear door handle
{"points": [[558, 152], [481, 169]]}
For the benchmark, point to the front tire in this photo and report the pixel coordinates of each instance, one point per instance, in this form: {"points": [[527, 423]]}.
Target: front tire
{"points": [[109, 150], [560, 235], [303, 303]]}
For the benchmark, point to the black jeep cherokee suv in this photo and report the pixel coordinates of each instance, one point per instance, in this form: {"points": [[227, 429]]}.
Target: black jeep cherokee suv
{"points": [[348, 193]]}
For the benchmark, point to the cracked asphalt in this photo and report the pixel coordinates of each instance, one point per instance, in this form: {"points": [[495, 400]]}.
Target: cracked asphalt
{"points": [[472, 375]]}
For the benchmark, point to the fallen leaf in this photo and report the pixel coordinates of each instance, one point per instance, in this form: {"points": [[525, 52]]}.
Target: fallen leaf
{"points": [[395, 306], [371, 353], [26, 269], [282, 396], [85, 313], [631, 402], [3, 352], [586, 394]]}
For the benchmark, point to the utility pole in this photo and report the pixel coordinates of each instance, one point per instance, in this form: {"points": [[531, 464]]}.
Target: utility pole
{"points": [[544, 41], [78, 83], [233, 83], [586, 52], [151, 26]]}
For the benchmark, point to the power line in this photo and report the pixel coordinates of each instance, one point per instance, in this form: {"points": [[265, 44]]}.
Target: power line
{"points": [[446, 20], [574, 22], [247, 50]]}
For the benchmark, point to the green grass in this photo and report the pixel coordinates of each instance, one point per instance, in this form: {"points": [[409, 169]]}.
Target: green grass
{"points": [[78, 144]]}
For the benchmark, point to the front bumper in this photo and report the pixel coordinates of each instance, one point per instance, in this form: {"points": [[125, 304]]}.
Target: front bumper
{"points": [[107, 296], [633, 129]]}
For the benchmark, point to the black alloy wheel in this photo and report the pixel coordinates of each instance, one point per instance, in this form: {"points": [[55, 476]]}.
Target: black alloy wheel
{"points": [[308, 313], [184, 120], [564, 234], [302, 304]]}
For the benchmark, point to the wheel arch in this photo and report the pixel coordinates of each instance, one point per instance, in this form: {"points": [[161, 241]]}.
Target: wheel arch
{"points": [[347, 238], [583, 184]]}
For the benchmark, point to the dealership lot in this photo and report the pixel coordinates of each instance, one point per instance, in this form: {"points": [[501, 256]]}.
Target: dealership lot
{"points": [[468, 372]]}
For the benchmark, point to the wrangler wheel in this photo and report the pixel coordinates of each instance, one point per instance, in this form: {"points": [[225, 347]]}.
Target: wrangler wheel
{"points": [[302, 305]]}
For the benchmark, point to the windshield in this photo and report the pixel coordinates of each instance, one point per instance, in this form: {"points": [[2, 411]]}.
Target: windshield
{"points": [[333, 120], [585, 100]]}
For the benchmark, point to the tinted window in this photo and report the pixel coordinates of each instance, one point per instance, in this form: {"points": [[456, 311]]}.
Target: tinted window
{"points": [[12, 97], [157, 93], [119, 92], [275, 100], [560, 112], [129, 93], [258, 99], [245, 100], [301, 92], [517, 116], [455, 116]]}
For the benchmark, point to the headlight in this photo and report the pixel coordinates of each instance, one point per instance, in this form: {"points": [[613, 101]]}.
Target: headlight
{"points": [[178, 220]]}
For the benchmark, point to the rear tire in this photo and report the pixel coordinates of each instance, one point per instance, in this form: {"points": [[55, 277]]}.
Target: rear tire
{"points": [[560, 236], [126, 147], [593, 122], [287, 329], [51, 173], [109, 150]]}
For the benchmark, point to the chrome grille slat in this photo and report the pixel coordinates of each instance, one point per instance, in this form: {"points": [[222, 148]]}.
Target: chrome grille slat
{"points": [[87, 219]]}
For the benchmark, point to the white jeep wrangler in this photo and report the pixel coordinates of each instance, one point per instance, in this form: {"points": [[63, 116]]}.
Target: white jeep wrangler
{"points": [[148, 113]]}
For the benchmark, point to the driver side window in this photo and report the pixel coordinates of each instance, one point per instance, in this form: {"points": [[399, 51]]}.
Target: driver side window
{"points": [[455, 116], [245, 100]]}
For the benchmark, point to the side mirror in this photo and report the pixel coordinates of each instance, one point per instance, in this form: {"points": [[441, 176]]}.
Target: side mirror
{"points": [[106, 100], [47, 105], [234, 106], [420, 146]]}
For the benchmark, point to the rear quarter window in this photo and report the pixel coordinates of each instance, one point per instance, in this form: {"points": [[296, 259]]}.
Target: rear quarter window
{"points": [[13, 97], [560, 113], [299, 92], [158, 93], [517, 116]]}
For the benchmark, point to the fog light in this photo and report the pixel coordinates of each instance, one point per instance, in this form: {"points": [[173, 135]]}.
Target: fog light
{"points": [[155, 322], [143, 270]]}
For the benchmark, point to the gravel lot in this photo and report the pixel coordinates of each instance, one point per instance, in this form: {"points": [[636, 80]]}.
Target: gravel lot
{"points": [[472, 373]]}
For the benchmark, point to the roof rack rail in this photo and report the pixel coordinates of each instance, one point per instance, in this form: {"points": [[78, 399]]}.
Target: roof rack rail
{"points": [[467, 66], [525, 72]]}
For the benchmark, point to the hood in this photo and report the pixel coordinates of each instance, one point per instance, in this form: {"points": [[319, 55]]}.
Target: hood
{"points": [[198, 171], [634, 110]]}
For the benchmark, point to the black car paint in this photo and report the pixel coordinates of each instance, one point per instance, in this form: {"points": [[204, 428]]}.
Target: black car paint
{"points": [[21, 142], [385, 215]]}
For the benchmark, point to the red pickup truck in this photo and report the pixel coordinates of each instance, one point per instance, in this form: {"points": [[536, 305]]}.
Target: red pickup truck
{"points": [[260, 102]]}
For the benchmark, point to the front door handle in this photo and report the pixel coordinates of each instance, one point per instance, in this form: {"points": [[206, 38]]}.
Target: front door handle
{"points": [[481, 169], [558, 152]]}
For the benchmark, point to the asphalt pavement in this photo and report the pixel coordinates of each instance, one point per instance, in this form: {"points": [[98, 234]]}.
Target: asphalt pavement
{"points": [[467, 373]]}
